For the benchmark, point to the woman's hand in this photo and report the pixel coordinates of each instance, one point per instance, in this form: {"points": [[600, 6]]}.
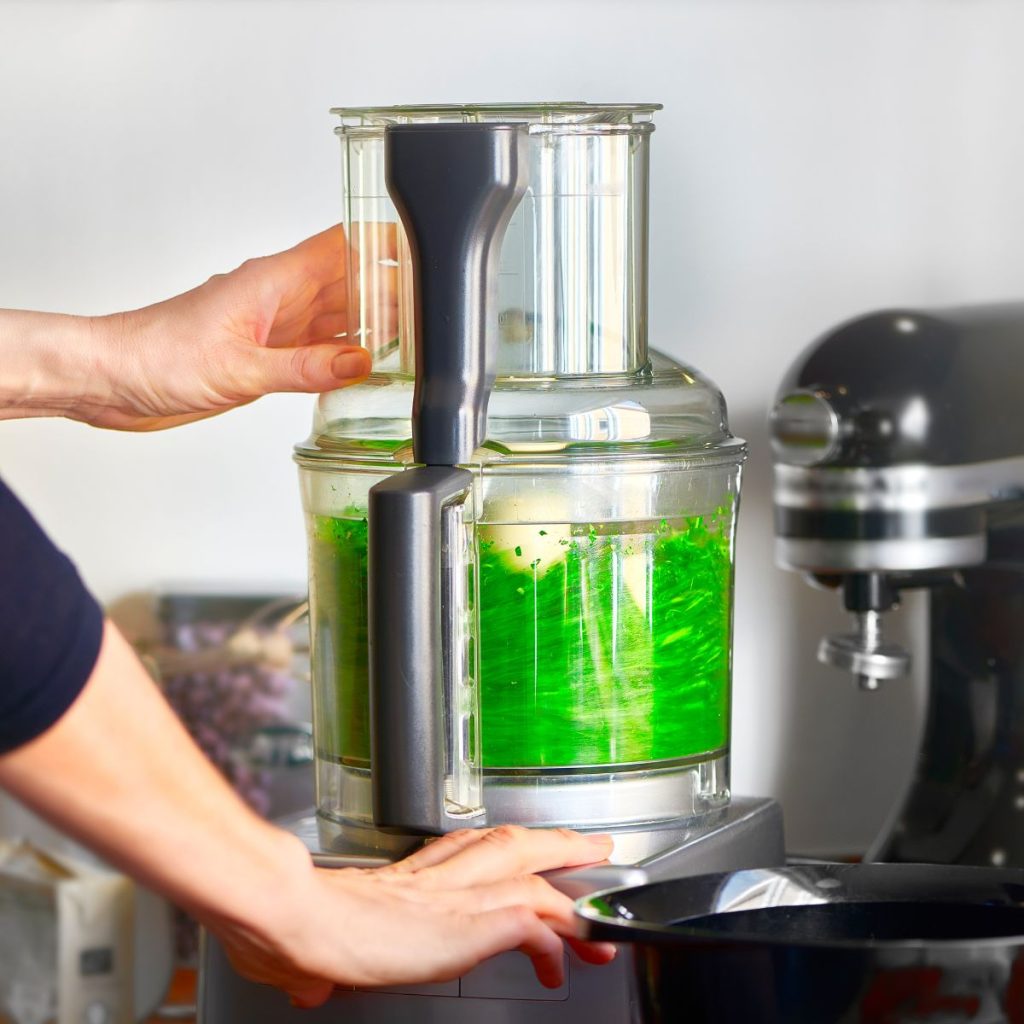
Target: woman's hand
{"points": [[430, 917], [270, 325]]}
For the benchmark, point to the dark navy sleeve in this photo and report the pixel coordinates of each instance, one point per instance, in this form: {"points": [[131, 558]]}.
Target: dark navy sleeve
{"points": [[50, 628]]}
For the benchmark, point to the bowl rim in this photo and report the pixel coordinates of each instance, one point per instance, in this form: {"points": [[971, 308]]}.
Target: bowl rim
{"points": [[607, 925]]}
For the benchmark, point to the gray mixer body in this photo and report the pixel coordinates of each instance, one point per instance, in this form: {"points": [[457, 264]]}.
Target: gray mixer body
{"points": [[899, 449]]}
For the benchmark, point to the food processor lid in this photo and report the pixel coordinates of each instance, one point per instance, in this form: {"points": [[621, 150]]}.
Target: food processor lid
{"points": [[664, 410]]}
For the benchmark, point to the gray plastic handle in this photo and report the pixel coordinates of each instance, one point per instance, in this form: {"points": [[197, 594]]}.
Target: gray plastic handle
{"points": [[408, 649], [455, 186]]}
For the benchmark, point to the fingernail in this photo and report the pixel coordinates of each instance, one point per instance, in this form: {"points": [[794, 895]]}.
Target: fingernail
{"points": [[347, 365], [601, 839]]}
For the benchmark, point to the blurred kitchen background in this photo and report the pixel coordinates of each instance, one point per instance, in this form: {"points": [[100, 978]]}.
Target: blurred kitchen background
{"points": [[815, 159]]}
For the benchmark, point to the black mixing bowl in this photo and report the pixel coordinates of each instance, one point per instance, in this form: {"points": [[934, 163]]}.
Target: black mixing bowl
{"points": [[824, 944]]}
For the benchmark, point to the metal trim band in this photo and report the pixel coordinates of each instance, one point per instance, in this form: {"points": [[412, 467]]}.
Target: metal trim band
{"points": [[904, 555], [909, 488]]}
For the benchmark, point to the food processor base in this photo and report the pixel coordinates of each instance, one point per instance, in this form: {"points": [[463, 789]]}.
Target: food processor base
{"points": [[746, 834]]}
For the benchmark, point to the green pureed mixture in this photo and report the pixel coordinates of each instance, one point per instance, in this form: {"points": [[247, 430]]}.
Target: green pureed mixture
{"points": [[599, 645]]}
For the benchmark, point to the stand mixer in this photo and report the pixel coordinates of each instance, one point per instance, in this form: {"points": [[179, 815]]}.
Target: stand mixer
{"points": [[899, 464], [521, 540]]}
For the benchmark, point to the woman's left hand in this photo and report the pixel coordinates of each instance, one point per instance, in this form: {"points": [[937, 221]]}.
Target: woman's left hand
{"points": [[270, 325], [273, 324]]}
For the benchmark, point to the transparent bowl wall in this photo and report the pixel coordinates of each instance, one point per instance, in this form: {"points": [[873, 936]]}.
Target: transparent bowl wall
{"points": [[572, 290], [604, 592]]}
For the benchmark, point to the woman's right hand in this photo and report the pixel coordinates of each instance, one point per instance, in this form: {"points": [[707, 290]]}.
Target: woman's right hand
{"points": [[431, 917]]}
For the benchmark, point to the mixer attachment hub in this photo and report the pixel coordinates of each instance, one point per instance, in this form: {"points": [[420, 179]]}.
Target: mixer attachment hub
{"points": [[864, 654]]}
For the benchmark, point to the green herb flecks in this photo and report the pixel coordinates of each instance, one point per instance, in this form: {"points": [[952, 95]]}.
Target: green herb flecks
{"points": [[600, 644]]}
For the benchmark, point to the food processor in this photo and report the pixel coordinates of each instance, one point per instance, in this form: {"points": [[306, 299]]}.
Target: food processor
{"points": [[521, 535]]}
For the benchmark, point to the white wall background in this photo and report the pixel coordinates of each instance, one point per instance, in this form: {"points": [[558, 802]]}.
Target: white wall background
{"points": [[815, 158]]}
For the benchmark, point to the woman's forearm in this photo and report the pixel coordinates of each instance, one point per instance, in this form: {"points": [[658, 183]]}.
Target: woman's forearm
{"points": [[51, 363], [119, 773]]}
